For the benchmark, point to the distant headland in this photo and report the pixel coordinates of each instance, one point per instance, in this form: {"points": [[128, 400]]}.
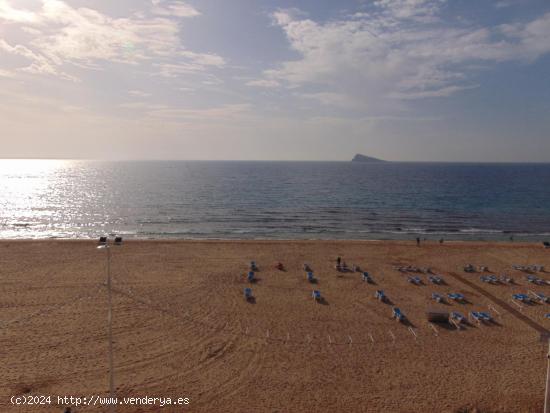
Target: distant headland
{"points": [[363, 158]]}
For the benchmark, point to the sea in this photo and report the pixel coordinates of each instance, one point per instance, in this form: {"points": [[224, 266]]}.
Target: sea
{"points": [[274, 200]]}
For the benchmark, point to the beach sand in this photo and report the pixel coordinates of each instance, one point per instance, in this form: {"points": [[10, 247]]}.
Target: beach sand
{"points": [[182, 328]]}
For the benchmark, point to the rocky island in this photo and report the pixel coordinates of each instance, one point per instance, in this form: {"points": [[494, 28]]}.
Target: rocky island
{"points": [[366, 159]]}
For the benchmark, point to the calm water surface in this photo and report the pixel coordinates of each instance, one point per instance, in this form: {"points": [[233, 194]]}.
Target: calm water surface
{"points": [[322, 200]]}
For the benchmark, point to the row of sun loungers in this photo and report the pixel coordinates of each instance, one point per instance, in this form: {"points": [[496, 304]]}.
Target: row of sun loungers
{"points": [[535, 280], [529, 268], [524, 298], [410, 268], [480, 316]]}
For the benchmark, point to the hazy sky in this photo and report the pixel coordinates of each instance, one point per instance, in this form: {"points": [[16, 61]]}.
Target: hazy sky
{"points": [[449, 80]]}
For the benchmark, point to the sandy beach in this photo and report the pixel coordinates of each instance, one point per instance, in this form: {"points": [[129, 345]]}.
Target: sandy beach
{"points": [[182, 328]]}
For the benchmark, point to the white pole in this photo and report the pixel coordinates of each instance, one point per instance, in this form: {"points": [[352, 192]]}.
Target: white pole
{"points": [[110, 323], [547, 392]]}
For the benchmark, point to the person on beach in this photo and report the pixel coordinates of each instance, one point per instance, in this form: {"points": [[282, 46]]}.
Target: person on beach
{"points": [[338, 261], [418, 241]]}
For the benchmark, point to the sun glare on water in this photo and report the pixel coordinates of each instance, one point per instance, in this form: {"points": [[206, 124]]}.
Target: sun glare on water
{"points": [[25, 186]]}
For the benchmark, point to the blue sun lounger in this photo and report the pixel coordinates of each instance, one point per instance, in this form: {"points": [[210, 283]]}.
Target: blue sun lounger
{"points": [[524, 298], [485, 316], [248, 293], [456, 316], [316, 294], [456, 296], [475, 315], [397, 314], [380, 295], [547, 315], [414, 280], [310, 277], [250, 276]]}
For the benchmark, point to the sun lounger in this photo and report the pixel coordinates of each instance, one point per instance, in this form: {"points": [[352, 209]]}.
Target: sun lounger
{"points": [[483, 268], [250, 276], [366, 277], [490, 279], [397, 314], [253, 266], [547, 315], [380, 295], [434, 279], [307, 268], [310, 277], [524, 298], [469, 268], [247, 293], [456, 296], [414, 280], [316, 294], [535, 280], [506, 279], [355, 268], [476, 316], [540, 297], [437, 297], [456, 316], [485, 316]]}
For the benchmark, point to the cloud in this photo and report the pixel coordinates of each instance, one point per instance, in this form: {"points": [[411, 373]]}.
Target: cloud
{"points": [[60, 34], [10, 14], [139, 93], [175, 8], [39, 64], [386, 54], [267, 83]]}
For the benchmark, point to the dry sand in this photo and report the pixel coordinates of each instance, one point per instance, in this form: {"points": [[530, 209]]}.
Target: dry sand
{"points": [[182, 328]]}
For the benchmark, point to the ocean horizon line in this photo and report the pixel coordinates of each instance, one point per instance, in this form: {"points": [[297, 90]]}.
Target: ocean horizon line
{"points": [[283, 160]]}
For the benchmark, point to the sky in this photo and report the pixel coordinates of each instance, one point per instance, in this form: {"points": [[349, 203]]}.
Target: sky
{"points": [[403, 80]]}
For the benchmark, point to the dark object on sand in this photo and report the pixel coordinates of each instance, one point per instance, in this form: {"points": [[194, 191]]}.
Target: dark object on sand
{"points": [[437, 316], [102, 240], [338, 261], [417, 241], [546, 244]]}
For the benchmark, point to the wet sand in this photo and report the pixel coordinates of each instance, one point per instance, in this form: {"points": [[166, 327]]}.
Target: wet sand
{"points": [[182, 328]]}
